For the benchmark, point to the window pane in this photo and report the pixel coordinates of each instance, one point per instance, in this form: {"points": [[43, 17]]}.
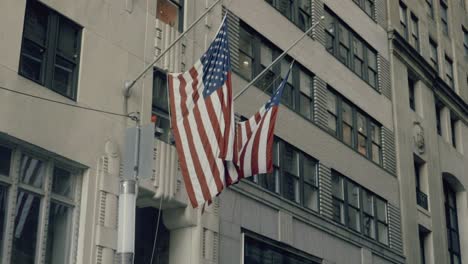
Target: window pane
{"points": [[310, 197], [354, 219], [267, 81], [338, 211], [362, 144], [369, 7], [305, 106], [383, 233], [381, 209], [63, 182], [245, 66], [288, 95], [376, 153], [269, 181], [58, 233], [353, 194], [67, 41], [26, 227], [310, 175], [375, 133], [290, 159], [337, 186], [291, 187], [362, 124], [347, 134], [32, 57], [455, 242], [163, 123], [245, 42], [35, 23], [368, 202], [32, 171], [369, 226], [168, 12], [3, 213], [5, 160], [160, 97], [372, 59], [332, 123], [347, 113], [63, 76], [266, 55], [331, 102]]}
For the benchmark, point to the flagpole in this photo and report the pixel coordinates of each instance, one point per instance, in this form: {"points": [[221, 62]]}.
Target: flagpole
{"points": [[277, 59], [130, 84]]}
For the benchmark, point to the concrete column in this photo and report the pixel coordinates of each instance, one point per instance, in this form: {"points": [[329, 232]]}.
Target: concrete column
{"points": [[445, 124]]}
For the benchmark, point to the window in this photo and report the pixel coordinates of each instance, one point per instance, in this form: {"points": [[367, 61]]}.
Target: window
{"points": [[50, 49], [451, 218], [171, 12], [36, 205], [444, 17], [350, 49], [297, 11], [367, 6], [294, 176], [350, 125], [145, 231], [438, 109], [404, 20], [256, 53], [421, 197], [453, 124], [411, 88], [351, 203], [430, 8], [423, 234], [433, 54], [449, 72], [160, 106], [261, 250], [414, 32], [465, 40]]}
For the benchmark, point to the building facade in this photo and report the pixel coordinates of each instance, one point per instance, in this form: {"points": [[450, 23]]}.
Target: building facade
{"points": [[369, 163]]}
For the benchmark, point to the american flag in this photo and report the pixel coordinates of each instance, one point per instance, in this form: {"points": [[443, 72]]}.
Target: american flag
{"points": [[254, 139], [202, 119]]}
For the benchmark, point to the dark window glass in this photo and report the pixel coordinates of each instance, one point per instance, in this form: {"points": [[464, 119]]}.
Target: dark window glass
{"points": [[3, 213], [145, 231], [451, 215], [433, 54], [63, 182], [332, 112], [32, 171], [444, 17], [367, 6], [5, 160], [438, 109], [26, 228], [376, 143], [411, 88], [453, 124], [404, 20], [449, 72], [297, 11], [465, 40], [414, 32], [350, 49], [245, 53], [259, 252], [50, 49], [430, 8], [348, 197], [160, 105]]}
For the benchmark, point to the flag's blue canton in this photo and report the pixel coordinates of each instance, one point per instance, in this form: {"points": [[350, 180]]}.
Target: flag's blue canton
{"points": [[216, 62], [276, 97]]}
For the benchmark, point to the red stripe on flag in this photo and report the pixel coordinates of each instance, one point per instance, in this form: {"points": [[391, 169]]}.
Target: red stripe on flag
{"points": [[182, 161], [194, 75], [256, 145], [207, 148]]}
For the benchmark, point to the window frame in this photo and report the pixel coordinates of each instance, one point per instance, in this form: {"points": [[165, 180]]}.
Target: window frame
{"points": [[449, 78], [450, 194], [295, 11], [275, 73], [369, 121], [50, 50], [346, 204], [47, 196], [403, 14], [337, 45], [465, 41], [279, 172], [434, 50], [430, 6], [362, 5], [415, 31], [163, 133]]}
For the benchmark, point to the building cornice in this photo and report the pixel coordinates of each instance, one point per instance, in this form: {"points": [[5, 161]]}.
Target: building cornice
{"points": [[440, 87]]}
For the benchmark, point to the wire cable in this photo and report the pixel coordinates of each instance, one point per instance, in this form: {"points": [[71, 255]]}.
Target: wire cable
{"points": [[67, 104]]}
